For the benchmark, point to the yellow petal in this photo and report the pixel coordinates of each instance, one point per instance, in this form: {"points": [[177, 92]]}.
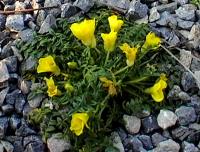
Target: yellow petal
{"points": [[158, 96], [84, 31], [52, 89], [109, 41], [48, 64], [114, 23], [152, 41]]}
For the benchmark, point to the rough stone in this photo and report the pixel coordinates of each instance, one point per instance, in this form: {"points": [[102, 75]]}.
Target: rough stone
{"points": [[182, 2], [84, 5], [194, 137], [134, 144], [24, 86], [132, 124], [34, 147], [167, 146], [11, 63], [15, 22], [185, 14], [181, 133], [185, 58], [157, 138], [174, 40], [195, 102], [19, 103], [16, 53], [170, 7], [188, 82], [137, 10], [1, 147], [122, 133], [163, 1], [8, 146], [41, 17], [174, 93], [49, 23], [186, 115], [14, 122], [7, 109], [2, 21], [28, 65], [24, 131], [187, 25], [26, 35], [27, 109], [184, 96], [198, 14], [166, 119], [149, 124], [188, 147], [197, 76], [3, 126], [195, 35], [4, 75], [36, 101], [117, 143], [194, 126], [53, 3], [154, 15], [146, 141], [3, 94], [55, 144], [68, 10]]}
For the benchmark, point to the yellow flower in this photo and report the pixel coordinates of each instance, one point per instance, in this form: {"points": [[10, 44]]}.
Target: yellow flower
{"points": [[79, 120], [157, 89], [84, 31], [114, 23], [69, 87], [52, 89], [48, 64], [152, 41], [130, 53], [109, 41], [110, 85]]}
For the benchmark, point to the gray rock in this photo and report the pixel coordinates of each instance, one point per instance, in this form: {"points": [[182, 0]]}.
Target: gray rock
{"points": [[134, 144], [149, 124], [155, 4], [186, 115], [185, 58], [16, 53], [24, 86], [154, 15], [198, 14], [188, 147], [33, 26], [49, 23], [137, 10], [68, 10], [163, 1], [7, 109], [2, 22], [4, 75], [157, 138], [84, 5], [15, 122], [171, 7], [121, 5], [3, 35], [19, 103], [29, 64], [17, 143], [167, 146], [15, 22], [3, 126], [184, 33], [6, 51], [187, 25], [36, 101], [8, 146], [11, 97], [181, 133], [185, 14], [53, 3], [197, 76], [188, 82], [11, 63], [195, 35], [1, 147], [26, 35], [34, 147], [194, 137], [194, 126], [165, 32], [55, 144], [117, 143], [3, 94], [41, 17], [174, 39], [195, 102], [24, 131], [166, 119], [27, 109], [184, 96], [182, 2], [132, 124], [166, 134], [146, 141], [122, 133], [142, 20]]}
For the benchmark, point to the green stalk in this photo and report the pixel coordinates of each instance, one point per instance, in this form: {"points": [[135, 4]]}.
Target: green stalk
{"points": [[107, 57], [121, 70]]}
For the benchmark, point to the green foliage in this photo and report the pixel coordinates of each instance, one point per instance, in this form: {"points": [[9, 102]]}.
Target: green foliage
{"points": [[89, 95], [195, 2]]}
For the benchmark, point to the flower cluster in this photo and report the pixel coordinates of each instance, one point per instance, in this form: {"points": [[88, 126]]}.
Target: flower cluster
{"points": [[85, 32]]}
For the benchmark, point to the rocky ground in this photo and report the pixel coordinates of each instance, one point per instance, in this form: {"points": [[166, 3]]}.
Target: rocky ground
{"points": [[177, 21]]}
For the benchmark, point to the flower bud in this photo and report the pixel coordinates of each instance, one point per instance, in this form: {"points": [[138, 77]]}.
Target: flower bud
{"points": [[69, 87], [72, 65]]}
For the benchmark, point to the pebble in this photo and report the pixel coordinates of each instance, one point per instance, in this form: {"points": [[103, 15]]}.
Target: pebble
{"points": [[170, 7], [84, 5], [185, 14], [53, 3], [19, 103], [180, 133], [3, 94], [149, 124], [41, 17], [15, 22], [14, 122], [7, 109], [194, 137], [134, 144], [24, 131], [166, 119], [185, 58], [8, 146], [195, 102], [132, 124], [11, 63], [188, 147], [185, 115], [2, 22], [187, 25], [68, 10], [4, 75], [157, 138], [146, 141], [167, 146], [187, 81], [26, 35], [154, 15], [24, 86], [117, 143], [35, 102], [3, 126]]}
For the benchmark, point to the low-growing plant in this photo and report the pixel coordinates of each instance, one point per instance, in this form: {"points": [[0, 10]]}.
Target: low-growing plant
{"points": [[93, 71]]}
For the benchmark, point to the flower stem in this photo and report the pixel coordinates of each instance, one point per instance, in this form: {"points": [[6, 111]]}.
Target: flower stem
{"points": [[107, 57], [121, 70], [97, 50]]}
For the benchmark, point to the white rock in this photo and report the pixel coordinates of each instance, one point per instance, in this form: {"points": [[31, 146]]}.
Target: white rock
{"points": [[117, 143], [132, 124], [166, 119], [186, 58]]}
